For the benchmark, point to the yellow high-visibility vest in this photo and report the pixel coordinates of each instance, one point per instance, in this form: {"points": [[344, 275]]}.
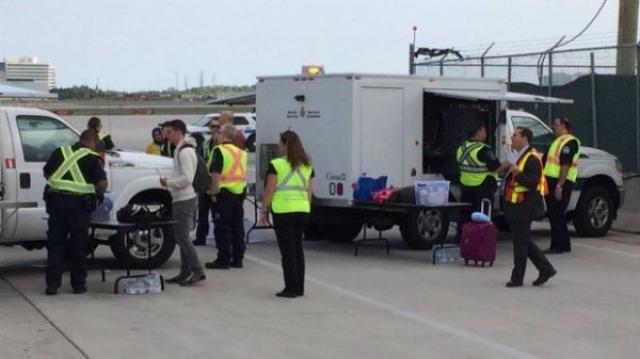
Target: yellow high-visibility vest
{"points": [[234, 168], [552, 167], [292, 188], [514, 191], [77, 185], [472, 171]]}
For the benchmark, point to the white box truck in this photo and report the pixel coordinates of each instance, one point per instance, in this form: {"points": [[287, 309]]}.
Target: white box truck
{"points": [[407, 128]]}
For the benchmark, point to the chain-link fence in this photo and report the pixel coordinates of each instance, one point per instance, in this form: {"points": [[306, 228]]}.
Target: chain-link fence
{"points": [[606, 109]]}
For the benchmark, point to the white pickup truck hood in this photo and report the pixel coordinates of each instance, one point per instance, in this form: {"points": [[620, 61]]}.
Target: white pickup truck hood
{"points": [[596, 154], [126, 158]]}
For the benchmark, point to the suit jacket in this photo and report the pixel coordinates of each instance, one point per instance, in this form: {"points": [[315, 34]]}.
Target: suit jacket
{"points": [[529, 177]]}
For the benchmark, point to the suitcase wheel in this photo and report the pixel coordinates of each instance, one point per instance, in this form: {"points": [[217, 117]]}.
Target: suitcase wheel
{"points": [[491, 264], [466, 262]]}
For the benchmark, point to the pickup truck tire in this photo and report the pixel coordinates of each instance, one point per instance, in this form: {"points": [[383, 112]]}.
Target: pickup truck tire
{"points": [[162, 246], [594, 213], [420, 229]]}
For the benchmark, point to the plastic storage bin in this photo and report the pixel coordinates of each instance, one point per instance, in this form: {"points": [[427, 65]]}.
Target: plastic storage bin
{"points": [[431, 193]]}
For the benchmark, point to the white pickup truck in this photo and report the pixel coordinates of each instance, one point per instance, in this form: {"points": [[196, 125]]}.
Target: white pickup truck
{"points": [[408, 128], [28, 137]]}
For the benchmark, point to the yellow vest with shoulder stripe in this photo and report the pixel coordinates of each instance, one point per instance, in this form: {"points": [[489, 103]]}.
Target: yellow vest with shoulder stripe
{"points": [[472, 171], [77, 185], [292, 188], [234, 168], [552, 167]]}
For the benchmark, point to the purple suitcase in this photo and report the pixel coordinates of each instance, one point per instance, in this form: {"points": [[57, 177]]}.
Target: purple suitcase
{"points": [[478, 240]]}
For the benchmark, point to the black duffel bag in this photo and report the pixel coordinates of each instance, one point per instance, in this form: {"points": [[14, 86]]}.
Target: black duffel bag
{"points": [[140, 213]]}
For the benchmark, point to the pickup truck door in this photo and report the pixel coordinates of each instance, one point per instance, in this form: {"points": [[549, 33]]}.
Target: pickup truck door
{"points": [[34, 138]]}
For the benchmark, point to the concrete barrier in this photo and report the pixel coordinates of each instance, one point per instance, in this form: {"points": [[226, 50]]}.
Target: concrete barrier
{"points": [[629, 215]]}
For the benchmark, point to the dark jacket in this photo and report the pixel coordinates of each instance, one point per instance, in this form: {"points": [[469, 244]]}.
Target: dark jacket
{"points": [[529, 208]]}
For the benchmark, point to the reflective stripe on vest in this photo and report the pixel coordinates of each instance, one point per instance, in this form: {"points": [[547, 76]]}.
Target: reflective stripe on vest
{"points": [[77, 184], [514, 191], [552, 167], [234, 168], [292, 188], [472, 171]]}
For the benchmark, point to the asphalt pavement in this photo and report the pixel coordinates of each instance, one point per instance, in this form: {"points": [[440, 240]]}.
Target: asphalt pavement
{"points": [[371, 306]]}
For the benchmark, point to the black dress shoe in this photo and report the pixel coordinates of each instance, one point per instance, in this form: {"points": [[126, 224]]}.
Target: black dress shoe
{"points": [[512, 284], [193, 279], [285, 294], [80, 290], [51, 291], [552, 251], [543, 278], [177, 279], [236, 264], [216, 265]]}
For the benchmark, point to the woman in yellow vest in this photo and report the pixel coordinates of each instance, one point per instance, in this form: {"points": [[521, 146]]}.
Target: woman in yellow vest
{"points": [[288, 194]]}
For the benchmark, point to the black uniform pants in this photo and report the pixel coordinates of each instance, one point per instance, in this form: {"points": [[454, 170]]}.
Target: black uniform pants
{"points": [[205, 207], [68, 233], [560, 239], [523, 248], [229, 227], [289, 229]]}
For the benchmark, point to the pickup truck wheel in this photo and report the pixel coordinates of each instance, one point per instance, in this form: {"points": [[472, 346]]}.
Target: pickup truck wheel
{"points": [[594, 212], [422, 228], [162, 246]]}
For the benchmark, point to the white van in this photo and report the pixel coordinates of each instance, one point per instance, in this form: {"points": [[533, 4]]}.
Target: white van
{"points": [[408, 128], [28, 137]]}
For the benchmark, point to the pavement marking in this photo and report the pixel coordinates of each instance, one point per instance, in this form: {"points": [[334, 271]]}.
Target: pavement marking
{"points": [[39, 311], [613, 251], [415, 317]]}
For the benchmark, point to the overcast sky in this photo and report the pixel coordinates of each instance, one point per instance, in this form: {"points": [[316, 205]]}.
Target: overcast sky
{"points": [[142, 44]]}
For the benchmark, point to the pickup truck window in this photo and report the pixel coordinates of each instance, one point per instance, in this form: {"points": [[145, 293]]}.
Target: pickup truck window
{"points": [[40, 135], [240, 121], [542, 136]]}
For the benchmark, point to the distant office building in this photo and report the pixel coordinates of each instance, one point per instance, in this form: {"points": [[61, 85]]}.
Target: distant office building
{"points": [[29, 73]]}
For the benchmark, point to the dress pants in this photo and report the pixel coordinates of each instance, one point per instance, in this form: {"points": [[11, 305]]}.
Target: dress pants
{"points": [[229, 227], [523, 248], [289, 229], [183, 212], [560, 239], [68, 233]]}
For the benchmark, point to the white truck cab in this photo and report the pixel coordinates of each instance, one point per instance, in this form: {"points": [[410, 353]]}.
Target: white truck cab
{"points": [[408, 128], [29, 136]]}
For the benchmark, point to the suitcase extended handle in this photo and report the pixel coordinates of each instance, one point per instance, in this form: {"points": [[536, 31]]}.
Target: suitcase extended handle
{"points": [[485, 207]]}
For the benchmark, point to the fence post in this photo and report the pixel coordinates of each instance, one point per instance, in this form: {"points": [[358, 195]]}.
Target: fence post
{"points": [[594, 116], [509, 59], [412, 64], [441, 68], [482, 66], [638, 107], [549, 90]]}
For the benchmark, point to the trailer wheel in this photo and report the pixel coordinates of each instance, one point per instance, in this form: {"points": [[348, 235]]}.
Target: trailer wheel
{"points": [[594, 212], [422, 228]]}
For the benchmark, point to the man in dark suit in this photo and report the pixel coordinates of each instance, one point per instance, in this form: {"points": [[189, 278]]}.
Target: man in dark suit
{"points": [[525, 187]]}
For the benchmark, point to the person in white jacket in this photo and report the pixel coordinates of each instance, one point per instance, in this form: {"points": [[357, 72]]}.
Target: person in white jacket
{"points": [[184, 198]]}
